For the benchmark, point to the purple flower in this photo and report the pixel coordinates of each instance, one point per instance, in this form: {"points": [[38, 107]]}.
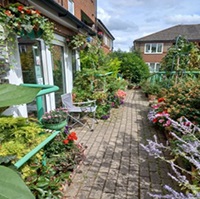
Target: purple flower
{"points": [[67, 129]]}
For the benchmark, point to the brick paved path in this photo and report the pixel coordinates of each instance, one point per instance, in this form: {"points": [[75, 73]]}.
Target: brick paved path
{"points": [[116, 166]]}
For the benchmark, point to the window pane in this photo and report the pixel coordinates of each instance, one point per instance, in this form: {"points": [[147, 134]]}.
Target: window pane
{"points": [[58, 72], [32, 70], [159, 48], [71, 6], [157, 67], [153, 48], [152, 67], [147, 48]]}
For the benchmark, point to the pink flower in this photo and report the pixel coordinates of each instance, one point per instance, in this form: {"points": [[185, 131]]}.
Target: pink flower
{"points": [[161, 120], [156, 106], [121, 94], [168, 123]]}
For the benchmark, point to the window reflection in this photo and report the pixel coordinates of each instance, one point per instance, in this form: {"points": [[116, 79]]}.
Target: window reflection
{"points": [[58, 72]]}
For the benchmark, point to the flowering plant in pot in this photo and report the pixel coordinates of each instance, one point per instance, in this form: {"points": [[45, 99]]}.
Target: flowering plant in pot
{"points": [[26, 21], [55, 119]]}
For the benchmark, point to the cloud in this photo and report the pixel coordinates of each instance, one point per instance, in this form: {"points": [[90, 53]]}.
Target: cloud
{"points": [[103, 15], [133, 19], [125, 4], [121, 24], [116, 22], [180, 19]]}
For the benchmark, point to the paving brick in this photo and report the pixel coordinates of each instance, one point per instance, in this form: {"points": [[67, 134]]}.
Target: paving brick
{"points": [[116, 166]]}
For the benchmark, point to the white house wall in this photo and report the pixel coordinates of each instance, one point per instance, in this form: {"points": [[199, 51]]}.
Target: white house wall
{"points": [[14, 76]]}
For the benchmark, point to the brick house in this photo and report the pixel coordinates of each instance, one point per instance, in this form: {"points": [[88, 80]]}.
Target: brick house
{"points": [[105, 35], [35, 64], [155, 46]]}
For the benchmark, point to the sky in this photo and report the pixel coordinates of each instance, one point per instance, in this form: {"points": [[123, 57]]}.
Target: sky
{"points": [[128, 20]]}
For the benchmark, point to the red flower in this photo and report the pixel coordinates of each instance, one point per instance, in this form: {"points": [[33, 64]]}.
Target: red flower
{"points": [[72, 136], [8, 13], [155, 120], [161, 99], [66, 141], [20, 8], [28, 12], [37, 12]]}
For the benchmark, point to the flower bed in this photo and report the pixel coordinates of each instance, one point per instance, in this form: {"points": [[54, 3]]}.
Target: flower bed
{"points": [[51, 167], [62, 156], [184, 145]]}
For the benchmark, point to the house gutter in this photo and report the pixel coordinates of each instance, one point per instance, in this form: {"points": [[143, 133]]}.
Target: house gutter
{"points": [[59, 14]]}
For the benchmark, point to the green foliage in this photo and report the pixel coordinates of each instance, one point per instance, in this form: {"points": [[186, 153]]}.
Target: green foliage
{"points": [[183, 55], [92, 58], [100, 96], [103, 111], [98, 78], [132, 66], [18, 136], [12, 186], [114, 84], [21, 94], [43, 183], [77, 41], [183, 99], [60, 161], [150, 88], [25, 21]]}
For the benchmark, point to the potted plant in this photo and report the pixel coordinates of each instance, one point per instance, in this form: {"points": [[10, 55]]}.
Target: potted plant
{"points": [[55, 119]]}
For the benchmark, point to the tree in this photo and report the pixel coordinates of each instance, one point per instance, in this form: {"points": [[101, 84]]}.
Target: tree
{"points": [[183, 55], [132, 68]]}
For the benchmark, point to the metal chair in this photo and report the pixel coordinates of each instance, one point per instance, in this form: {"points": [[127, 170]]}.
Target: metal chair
{"points": [[82, 108]]}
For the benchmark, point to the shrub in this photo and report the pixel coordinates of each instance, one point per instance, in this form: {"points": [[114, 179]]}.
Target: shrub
{"points": [[183, 99], [132, 68]]}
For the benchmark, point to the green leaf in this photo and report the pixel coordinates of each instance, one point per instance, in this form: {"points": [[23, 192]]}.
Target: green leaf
{"points": [[16, 95], [12, 186]]}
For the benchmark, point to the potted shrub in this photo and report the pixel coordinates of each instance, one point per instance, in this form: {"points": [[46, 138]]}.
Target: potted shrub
{"points": [[55, 119]]}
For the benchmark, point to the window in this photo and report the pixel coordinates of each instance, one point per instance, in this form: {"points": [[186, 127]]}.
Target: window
{"points": [[107, 41], [71, 6], [154, 48], [154, 67]]}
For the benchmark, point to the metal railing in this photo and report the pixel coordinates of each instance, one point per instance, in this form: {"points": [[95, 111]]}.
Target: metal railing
{"points": [[159, 76], [40, 111]]}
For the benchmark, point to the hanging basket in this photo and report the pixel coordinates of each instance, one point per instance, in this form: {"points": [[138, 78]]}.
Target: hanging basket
{"points": [[31, 35], [57, 126]]}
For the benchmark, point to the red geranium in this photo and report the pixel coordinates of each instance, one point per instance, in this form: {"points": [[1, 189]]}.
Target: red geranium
{"points": [[66, 141], [161, 99], [155, 120], [72, 136], [20, 8], [28, 12]]}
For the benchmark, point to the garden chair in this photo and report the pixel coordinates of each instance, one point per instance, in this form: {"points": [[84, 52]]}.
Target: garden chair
{"points": [[82, 108]]}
